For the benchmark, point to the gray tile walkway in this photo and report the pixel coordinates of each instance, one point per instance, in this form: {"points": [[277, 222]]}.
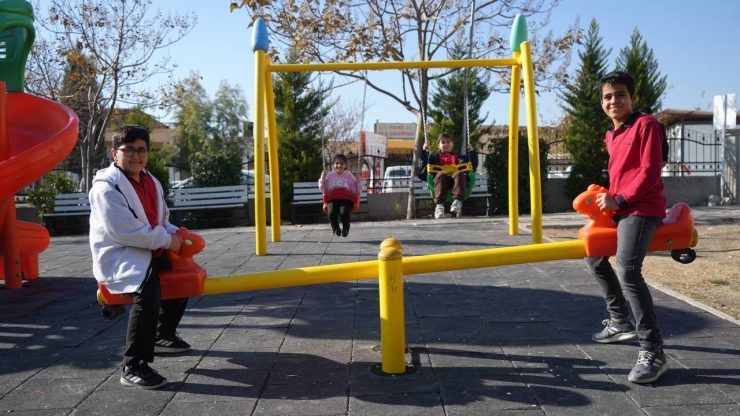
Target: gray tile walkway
{"points": [[510, 340]]}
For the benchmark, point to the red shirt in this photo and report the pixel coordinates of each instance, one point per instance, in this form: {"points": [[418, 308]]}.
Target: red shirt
{"points": [[146, 190], [635, 164], [447, 159]]}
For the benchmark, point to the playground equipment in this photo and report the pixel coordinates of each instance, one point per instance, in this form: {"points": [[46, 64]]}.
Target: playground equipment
{"points": [[341, 194], [36, 135], [597, 238], [522, 69], [183, 280], [449, 170]]}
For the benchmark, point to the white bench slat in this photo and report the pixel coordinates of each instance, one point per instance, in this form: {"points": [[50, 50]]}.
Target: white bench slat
{"points": [[234, 196], [68, 205]]}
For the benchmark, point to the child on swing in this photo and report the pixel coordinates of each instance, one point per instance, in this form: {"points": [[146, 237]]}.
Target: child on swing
{"points": [[443, 182], [342, 189]]}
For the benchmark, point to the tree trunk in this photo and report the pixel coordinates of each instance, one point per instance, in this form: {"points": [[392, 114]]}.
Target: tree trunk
{"points": [[85, 159], [411, 208]]}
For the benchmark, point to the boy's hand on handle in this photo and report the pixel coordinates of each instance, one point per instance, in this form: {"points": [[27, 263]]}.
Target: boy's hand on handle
{"points": [[606, 202], [426, 146], [470, 147], [176, 243]]}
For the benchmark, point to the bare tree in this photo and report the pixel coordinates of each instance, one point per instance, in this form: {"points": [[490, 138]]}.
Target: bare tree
{"points": [[407, 30], [343, 127], [108, 46]]}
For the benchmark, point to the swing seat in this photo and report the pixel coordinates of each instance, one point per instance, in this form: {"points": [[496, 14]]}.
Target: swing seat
{"points": [[341, 194], [449, 170]]}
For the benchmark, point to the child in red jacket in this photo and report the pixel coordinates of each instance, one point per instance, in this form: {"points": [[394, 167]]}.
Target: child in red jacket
{"points": [[634, 143]]}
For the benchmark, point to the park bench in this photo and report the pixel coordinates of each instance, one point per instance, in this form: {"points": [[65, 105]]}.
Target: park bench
{"points": [[480, 190], [75, 207], [307, 194], [190, 200]]}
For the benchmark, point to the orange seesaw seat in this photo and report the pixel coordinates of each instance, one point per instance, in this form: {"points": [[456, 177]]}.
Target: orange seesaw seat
{"points": [[599, 235], [184, 279]]}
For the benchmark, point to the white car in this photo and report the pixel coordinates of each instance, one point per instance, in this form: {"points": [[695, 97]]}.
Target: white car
{"points": [[560, 173], [246, 177], [397, 179]]}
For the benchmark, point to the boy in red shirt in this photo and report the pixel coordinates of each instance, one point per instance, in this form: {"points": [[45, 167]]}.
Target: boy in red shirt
{"points": [[636, 195]]}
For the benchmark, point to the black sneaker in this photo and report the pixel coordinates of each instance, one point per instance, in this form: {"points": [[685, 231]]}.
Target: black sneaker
{"points": [[337, 231], [143, 377], [651, 364], [614, 332], [344, 233], [169, 345]]}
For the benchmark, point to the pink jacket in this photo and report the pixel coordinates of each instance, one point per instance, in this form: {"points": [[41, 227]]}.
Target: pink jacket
{"points": [[334, 181]]}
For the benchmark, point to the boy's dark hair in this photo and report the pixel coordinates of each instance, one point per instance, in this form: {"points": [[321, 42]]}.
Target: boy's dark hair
{"points": [[443, 136], [129, 134], [618, 78], [341, 157]]}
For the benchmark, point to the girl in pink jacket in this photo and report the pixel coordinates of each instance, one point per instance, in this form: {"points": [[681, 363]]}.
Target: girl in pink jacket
{"points": [[341, 188]]}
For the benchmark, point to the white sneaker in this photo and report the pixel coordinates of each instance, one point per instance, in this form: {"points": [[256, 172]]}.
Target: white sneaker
{"points": [[456, 207], [439, 211]]}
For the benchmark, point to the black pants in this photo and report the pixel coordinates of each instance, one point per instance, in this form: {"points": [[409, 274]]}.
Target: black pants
{"points": [[151, 317], [339, 209]]}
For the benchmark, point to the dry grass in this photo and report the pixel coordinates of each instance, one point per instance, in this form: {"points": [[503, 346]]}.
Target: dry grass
{"points": [[712, 279]]}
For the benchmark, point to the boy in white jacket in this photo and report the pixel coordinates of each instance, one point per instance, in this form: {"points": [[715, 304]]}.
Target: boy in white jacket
{"points": [[129, 231]]}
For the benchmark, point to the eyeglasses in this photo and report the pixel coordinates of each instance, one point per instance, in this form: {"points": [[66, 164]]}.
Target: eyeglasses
{"points": [[129, 151]]}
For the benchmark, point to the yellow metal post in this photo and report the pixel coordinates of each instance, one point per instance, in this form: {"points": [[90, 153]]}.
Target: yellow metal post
{"points": [[534, 144], [259, 155], [272, 149], [516, 74], [392, 330]]}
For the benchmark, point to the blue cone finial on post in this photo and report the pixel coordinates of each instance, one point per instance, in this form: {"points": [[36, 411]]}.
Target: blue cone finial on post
{"points": [[260, 42], [518, 33]]}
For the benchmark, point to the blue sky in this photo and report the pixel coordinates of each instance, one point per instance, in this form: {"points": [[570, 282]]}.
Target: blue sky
{"points": [[692, 41]]}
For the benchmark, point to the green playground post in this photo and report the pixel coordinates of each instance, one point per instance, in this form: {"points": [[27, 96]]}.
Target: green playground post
{"points": [[16, 39]]}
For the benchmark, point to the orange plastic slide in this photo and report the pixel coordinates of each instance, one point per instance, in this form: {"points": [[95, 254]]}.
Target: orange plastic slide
{"points": [[36, 135]]}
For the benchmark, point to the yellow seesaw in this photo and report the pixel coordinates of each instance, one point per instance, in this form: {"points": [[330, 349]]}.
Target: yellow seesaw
{"points": [[597, 238]]}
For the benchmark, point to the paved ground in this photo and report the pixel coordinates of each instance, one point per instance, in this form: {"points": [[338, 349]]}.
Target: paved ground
{"points": [[511, 340]]}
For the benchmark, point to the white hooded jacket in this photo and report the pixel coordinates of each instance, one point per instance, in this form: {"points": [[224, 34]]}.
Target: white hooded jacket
{"points": [[121, 238]]}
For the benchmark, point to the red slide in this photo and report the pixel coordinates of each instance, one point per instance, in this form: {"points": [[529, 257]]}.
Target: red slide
{"points": [[36, 135]]}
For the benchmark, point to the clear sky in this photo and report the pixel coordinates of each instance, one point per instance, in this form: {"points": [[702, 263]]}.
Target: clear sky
{"points": [[694, 43]]}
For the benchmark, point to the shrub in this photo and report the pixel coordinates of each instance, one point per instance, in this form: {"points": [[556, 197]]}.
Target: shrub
{"points": [[42, 197], [217, 169], [497, 171]]}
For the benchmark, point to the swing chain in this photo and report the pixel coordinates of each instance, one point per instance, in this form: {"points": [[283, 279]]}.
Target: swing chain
{"points": [[364, 97]]}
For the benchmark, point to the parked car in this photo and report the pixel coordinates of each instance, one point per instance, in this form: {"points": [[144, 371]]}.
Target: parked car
{"points": [[246, 177], [397, 179], [560, 173]]}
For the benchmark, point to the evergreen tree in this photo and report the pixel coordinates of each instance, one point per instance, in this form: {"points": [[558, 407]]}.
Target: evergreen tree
{"points": [[299, 112], [447, 106], [587, 123], [638, 60]]}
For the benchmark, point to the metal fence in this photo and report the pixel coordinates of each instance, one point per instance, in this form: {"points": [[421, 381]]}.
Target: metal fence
{"points": [[695, 153]]}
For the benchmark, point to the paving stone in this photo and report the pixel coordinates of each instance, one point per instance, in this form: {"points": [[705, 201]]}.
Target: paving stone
{"points": [[508, 340]]}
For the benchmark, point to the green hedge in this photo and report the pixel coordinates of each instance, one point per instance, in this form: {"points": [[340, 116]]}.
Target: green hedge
{"points": [[497, 171]]}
